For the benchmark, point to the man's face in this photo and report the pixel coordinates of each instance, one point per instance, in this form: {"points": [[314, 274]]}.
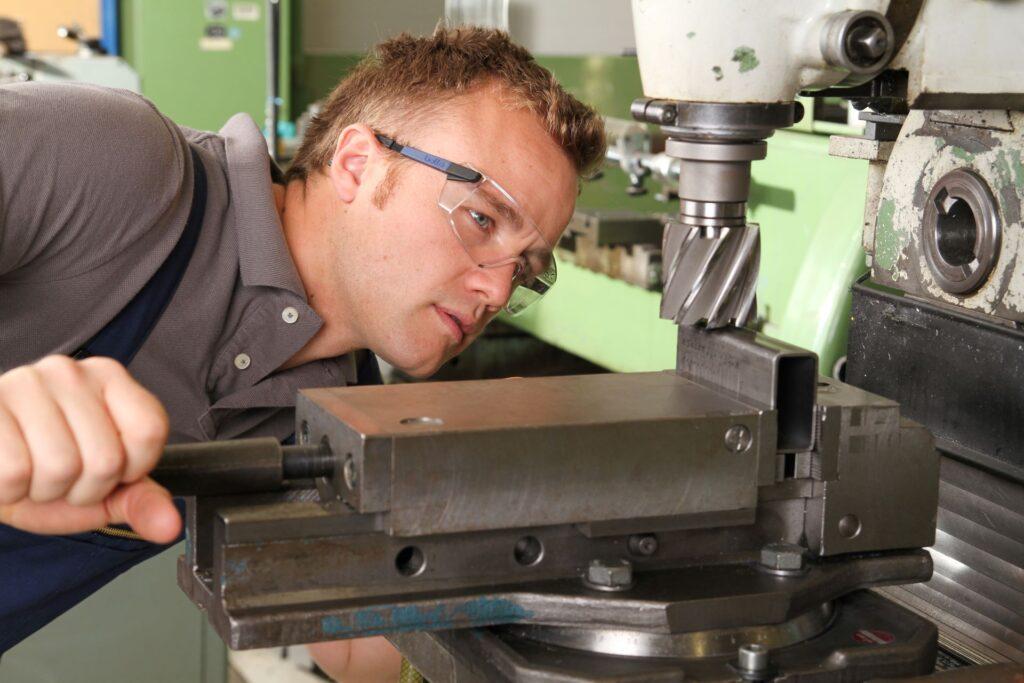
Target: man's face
{"points": [[414, 294]]}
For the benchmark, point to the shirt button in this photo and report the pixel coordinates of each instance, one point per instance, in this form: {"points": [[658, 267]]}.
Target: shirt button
{"points": [[289, 315], [242, 361]]}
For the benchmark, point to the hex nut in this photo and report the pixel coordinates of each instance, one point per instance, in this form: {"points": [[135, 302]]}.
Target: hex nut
{"points": [[785, 556], [610, 574]]}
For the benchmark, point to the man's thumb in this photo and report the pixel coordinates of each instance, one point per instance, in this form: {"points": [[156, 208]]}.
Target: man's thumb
{"points": [[147, 508]]}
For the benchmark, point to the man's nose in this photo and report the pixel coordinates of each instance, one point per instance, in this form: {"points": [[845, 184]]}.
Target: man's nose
{"points": [[494, 284]]}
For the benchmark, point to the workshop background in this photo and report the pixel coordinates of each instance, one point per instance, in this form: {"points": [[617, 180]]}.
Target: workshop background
{"points": [[201, 61]]}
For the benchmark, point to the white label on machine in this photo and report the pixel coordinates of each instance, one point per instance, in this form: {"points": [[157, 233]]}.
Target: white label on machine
{"points": [[216, 44], [245, 11]]}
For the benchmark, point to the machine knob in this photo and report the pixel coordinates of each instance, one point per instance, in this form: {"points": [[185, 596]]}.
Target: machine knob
{"points": [[859, 41]]}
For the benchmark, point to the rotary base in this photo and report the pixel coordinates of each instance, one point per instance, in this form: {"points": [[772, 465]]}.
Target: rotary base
{"points": [[869, 637]]}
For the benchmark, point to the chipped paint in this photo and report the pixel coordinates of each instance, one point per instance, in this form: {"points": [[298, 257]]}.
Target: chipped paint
{"points": [[406, 618], [961, 153], [925, 153], [717, 71], [746, 58]]}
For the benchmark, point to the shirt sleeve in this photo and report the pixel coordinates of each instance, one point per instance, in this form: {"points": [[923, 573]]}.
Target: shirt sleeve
{"points": [[85, 172]]}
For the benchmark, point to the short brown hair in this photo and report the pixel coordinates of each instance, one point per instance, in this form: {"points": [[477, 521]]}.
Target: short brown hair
{"points": [[407, 79]]}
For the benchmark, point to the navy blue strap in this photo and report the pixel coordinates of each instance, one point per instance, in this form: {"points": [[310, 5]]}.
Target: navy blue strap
{"points": [[42, 577], [123, 336], [368, 371]]}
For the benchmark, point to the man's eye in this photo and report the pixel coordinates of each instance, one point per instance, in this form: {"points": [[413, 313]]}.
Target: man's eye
{"points": [[483, 221]]}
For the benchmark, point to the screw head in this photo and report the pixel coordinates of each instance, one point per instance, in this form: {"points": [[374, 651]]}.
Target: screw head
{"points": [[753, 657], [350, 473], [784, 556], [738, 438], [610, 575], [643, 544]]}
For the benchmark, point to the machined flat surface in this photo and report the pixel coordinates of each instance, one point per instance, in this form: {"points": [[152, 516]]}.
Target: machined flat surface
{"points": [[497, 454], [519, 403]]}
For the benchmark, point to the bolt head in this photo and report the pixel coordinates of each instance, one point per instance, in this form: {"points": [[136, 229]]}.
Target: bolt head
{"points": [[349, 473], [643, 544], [785, 556], [610, 573], [753, 657], [868, 42], [738, 438]]}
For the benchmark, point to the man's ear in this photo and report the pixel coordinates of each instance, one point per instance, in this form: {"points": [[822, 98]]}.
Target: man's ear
{"points": [[357, 148]]}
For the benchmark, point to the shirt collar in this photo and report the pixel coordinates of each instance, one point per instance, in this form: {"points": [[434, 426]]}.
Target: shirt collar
{"points": [[263, 254]]}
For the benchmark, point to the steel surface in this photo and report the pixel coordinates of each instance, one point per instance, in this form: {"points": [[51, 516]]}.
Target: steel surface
{"points": [[527, 452]]}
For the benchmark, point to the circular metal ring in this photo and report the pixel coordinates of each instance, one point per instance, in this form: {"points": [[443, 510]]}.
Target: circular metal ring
{"points": [[698, 209], [716, 151], [695, 644], [862, 42], [961, 232], [728, 121]]}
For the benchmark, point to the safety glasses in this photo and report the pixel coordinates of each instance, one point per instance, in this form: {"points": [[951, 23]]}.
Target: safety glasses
{"points": [[491, 226]]}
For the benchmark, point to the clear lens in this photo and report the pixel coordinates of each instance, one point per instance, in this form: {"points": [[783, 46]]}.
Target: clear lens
{"points": [[529, 291], [495, 231]]}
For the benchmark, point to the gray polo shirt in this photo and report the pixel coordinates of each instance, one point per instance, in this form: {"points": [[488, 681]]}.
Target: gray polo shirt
{"points": [[95, 188]]}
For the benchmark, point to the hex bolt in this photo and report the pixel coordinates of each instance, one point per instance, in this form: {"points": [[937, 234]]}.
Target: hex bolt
{"points": [[610, 575], [738, 438], [867, 42], [643, 544], [782, 556], [752, 658]]}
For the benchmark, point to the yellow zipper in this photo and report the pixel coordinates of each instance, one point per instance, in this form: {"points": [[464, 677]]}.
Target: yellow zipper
{"points": [[119, 533]]}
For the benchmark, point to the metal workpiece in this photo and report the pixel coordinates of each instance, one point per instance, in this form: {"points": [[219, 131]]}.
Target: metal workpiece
{"points": [[499, 454], [766, 371], [949, 212], [838, 655]]}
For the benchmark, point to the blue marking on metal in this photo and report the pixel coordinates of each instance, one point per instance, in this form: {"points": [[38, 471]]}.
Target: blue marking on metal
{"points": [[237, 567], [406, 618]]}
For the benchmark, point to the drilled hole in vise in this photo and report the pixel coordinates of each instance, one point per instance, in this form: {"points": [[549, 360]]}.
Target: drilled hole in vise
{"points": [[430, 421], [528, 551], [410, 561], [849, 526]]}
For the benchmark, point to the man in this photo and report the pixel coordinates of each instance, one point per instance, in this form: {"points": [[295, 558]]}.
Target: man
{"points": [[430, 190]]}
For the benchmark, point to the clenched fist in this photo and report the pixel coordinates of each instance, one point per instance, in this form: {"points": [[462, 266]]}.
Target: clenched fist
{"points": [[77, 439]]}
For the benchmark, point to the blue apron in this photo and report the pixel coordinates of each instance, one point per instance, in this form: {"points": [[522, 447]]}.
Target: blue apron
{"points": [[41, 577]]}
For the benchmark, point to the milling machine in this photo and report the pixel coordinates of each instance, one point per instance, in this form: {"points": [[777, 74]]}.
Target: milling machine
{"points": [[716, 523]]}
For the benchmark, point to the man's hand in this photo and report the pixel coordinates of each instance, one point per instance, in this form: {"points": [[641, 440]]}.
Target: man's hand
{"points": [[77, 439], [362, 660]]}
